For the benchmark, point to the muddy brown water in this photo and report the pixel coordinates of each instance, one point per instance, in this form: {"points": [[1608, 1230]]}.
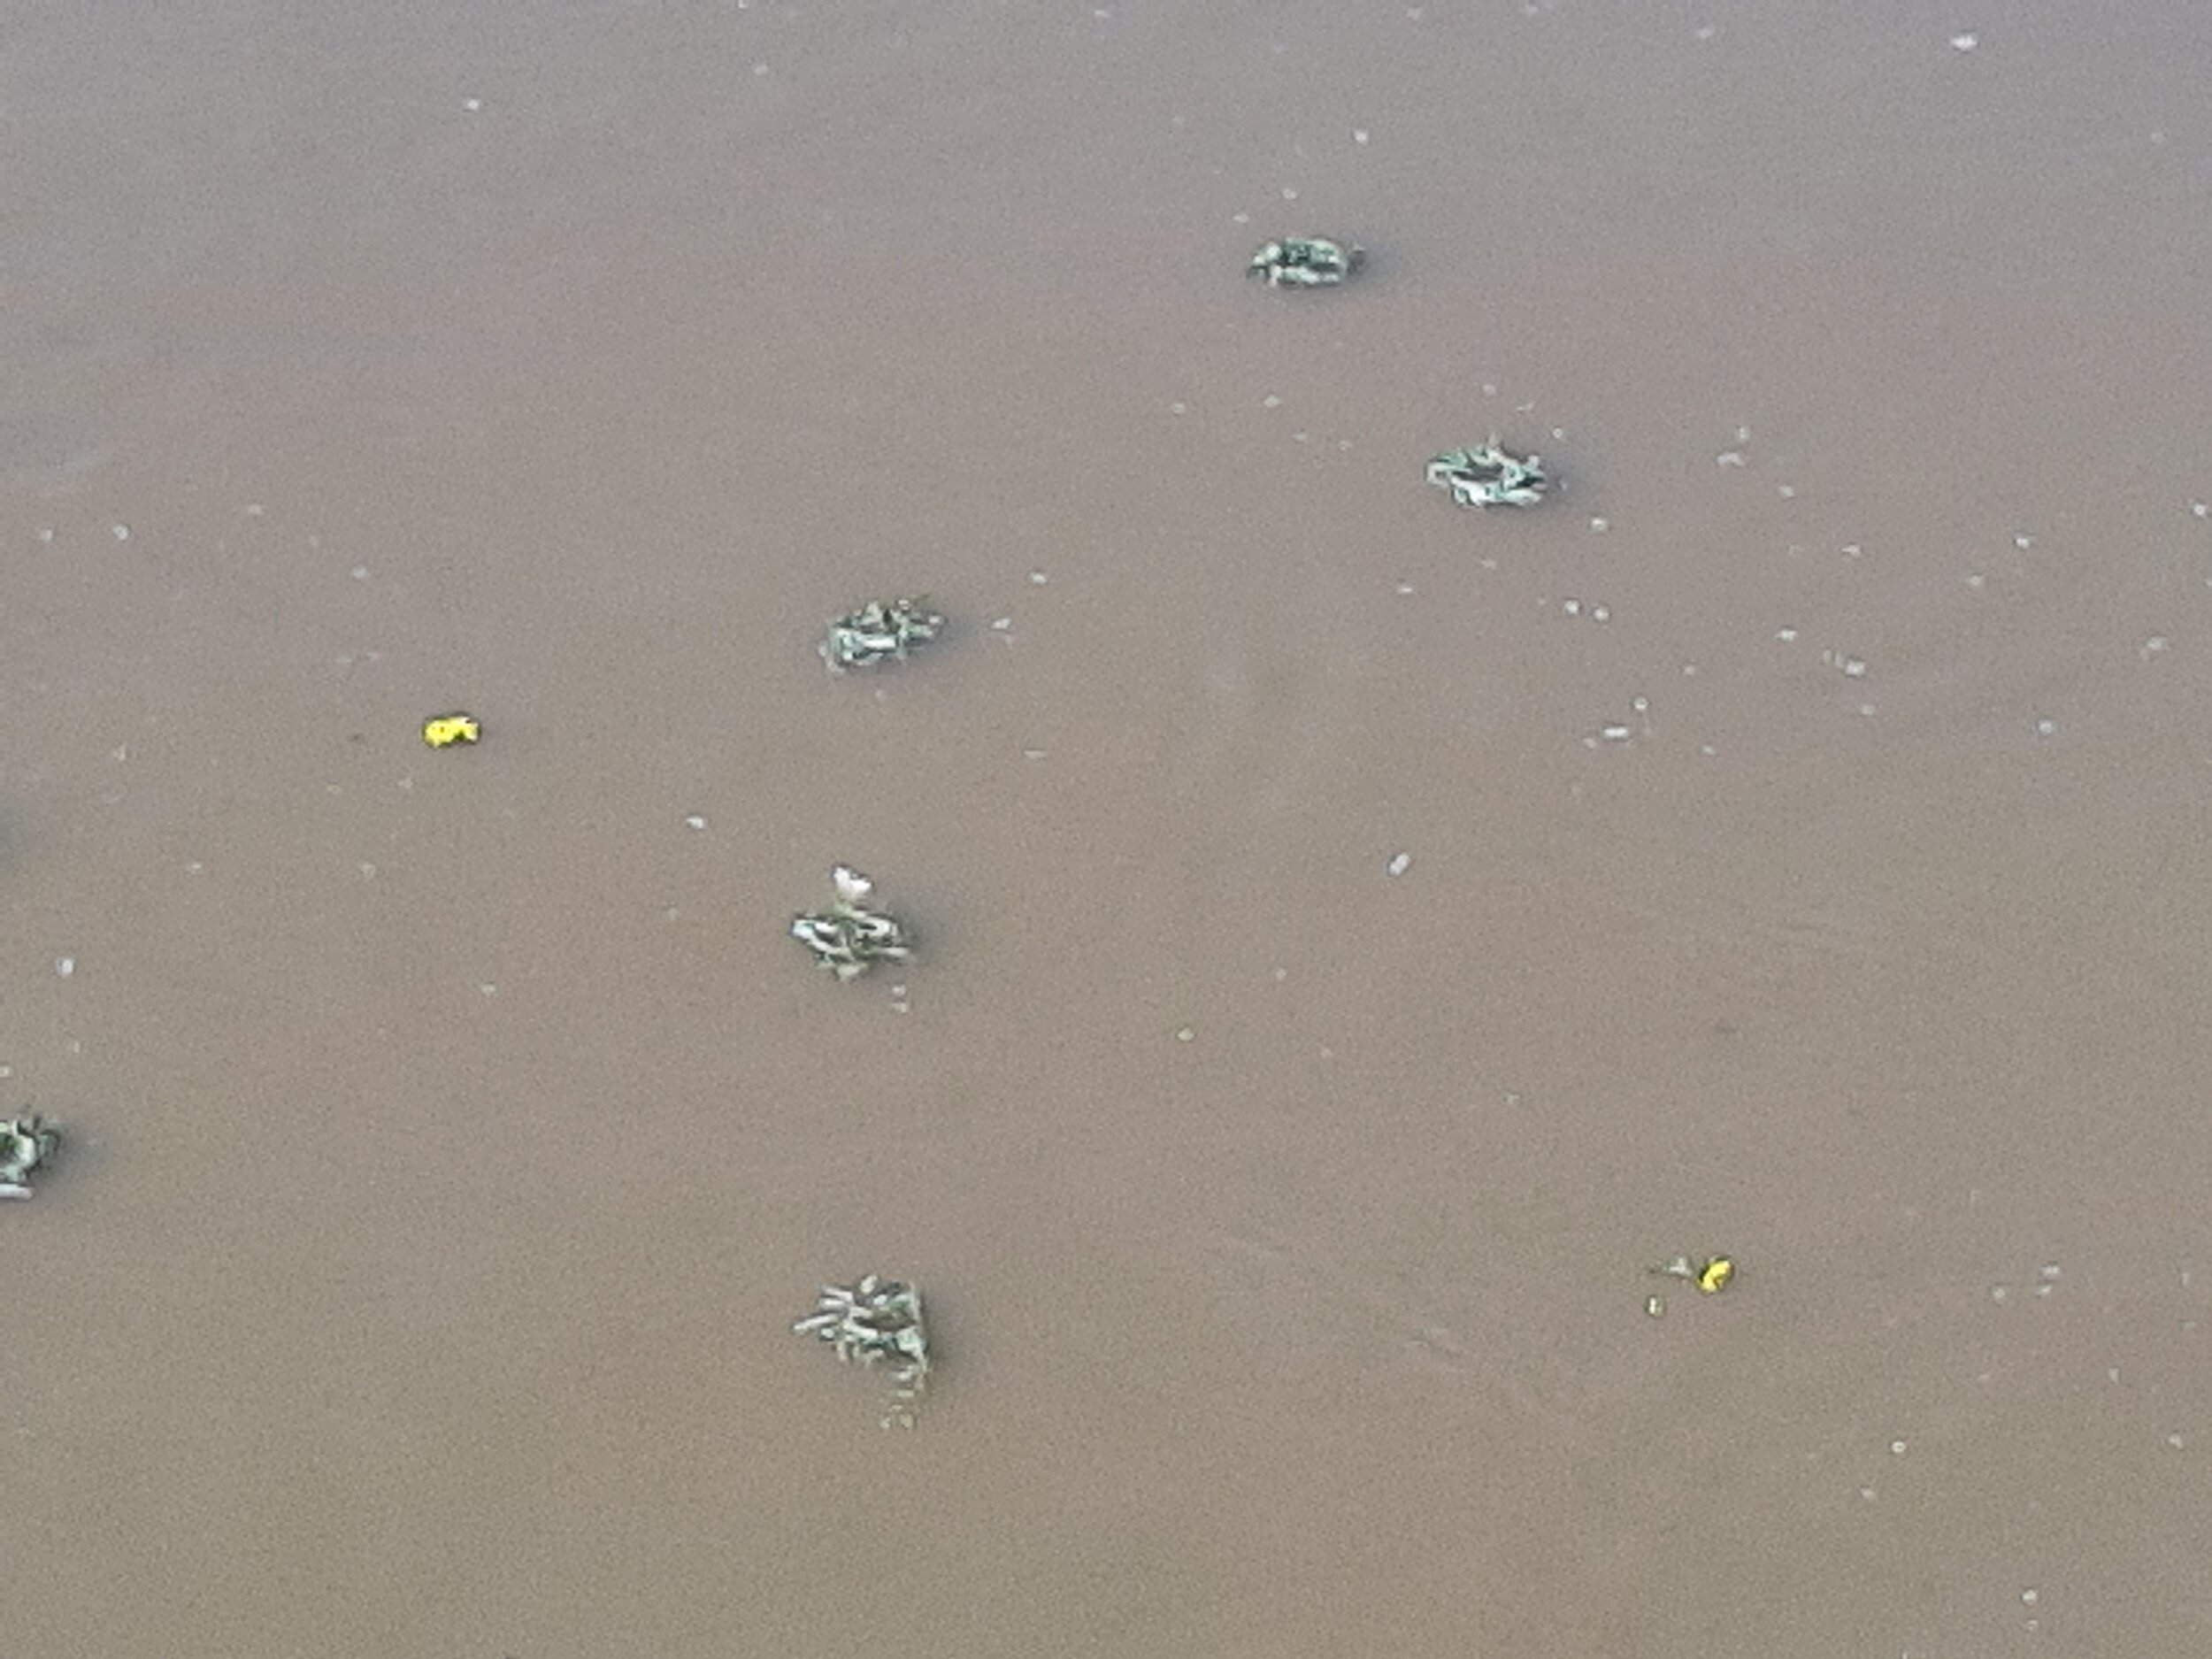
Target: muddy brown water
{"points": [[452, 1137]]}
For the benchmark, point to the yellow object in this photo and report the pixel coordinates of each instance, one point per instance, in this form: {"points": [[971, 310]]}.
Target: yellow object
{"points": [[1713, 1278], [442, 731]]}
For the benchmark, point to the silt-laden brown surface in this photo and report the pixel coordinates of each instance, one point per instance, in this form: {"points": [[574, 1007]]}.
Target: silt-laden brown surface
{"points": [[452, 1137]]}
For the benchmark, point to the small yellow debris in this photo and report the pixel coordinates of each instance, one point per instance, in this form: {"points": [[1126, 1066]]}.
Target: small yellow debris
{"points": [[443, 731], [1713, 1278]]}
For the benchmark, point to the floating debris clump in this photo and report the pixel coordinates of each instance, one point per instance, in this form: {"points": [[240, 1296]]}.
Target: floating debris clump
{"points": [[26, 1143], [1305, 262], [443, 731], [1710, 1276], [878, 1321], [847, 939], [881, 630], [1489, 476]]}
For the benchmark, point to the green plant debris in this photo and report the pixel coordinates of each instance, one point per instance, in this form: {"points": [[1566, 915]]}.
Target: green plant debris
{"points": [[877, 1322], [1489, 476], [26, 1144], [881, 630], [849, 939], [1305, 262]]}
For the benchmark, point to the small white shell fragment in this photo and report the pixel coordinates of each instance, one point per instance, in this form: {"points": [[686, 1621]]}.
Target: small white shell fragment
{"points": [[1399, 864], [852, 886], [121, 531], [1965, 42], [696, 820], [1614, 734], [64, 966]]}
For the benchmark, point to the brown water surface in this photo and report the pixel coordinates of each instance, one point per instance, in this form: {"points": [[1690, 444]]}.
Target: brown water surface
{"points": [[452, 1137]]}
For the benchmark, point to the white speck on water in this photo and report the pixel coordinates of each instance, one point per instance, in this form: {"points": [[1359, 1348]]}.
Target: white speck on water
{"points": [[2029, 1598], [489, 989], [2152, 646], [1729, 457], [368, 872], [64, 966], [120, 532], [696, 820], [1977, 580], [1788, 637], [1178, 409], [1615, 733], [359, 573], [2047, 728], [2024, 543], [2049, 1272], [1572, 607], [1185, 1034], [1897, 1449], [1855, 667], [760, 69], [2112, 1373], [1405, 588], [1001, 623], [1034, 753], [1965, 42], [1038, 578], [45, 532], [1271, 402], [472, 104], [1359, 135], [1867, 1494], [1643, 705], [1399, 864], [1787, 492], [1866, 710], [2174, 1440], [2202, 509], [1600, 526], [1851, 549]]}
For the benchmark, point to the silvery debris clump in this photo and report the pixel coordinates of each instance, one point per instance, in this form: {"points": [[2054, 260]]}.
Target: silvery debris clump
{"points": [[878, 1321], [1489, 476], [847, 939], [880, 630], [26, 1143], [1305, 262]]}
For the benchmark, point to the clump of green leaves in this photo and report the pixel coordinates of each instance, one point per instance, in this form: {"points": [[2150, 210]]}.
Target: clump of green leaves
{"points": [[26, 1143], [848, 938], [1305, 262], [881, 630], [1486, 475], [877, 1322]]}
